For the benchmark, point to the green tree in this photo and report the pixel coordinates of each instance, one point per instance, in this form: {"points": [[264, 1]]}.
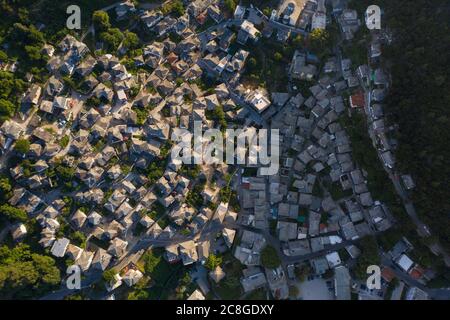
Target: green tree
{"points": [[176, 7], [24, 35], [297, 41], [65, 173], [319, 41], [22, 146], [213, 262], [183, 283], [93, 101], [230, 5], [131, 40], [155, 171], [24, 15], [10, 87], [3, 56], [13, 213], [46, 268], [225, 193], [7, 108], [278, 56], [64, 141], [252, 63], [218, 115], [23, 272], [112, 38], [302, 271], [101, 20], [5, 186], [70, 82], [33, 52], [369, 256], [270, 258], [194, 197], [418, 103], [138, 294], [151, 261], [108, 275], [79, 238]]}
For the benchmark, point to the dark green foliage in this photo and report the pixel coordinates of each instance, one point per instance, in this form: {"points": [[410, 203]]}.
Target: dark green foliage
{"points": [[369, 256], [65, 173], [270, 258], [190, 171], [155, 171], [319, 41], [100, 19], [3, 56], [5, 187], [230, 5], [230, 287], [7, 109], [9, 86], [64, 141], [185, 286], [165, 150], [234, 202], [131, 40], [108, 275], [10, 90], [194, 197], [267, 63], [112, 38], [366, 156], [225, 193], [93, 101], [13, 213], [141, 115], [71, 83], [151, 261], [23, 273], [78, 238], [218, 115], [166, 277], [176, 7], [302, 271], [23, 34], [22, 146], [27, 42], [418, 101], [213, 262]]}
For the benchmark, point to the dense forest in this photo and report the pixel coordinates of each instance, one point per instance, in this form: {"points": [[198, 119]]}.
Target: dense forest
{"points": [[419, 100]]}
